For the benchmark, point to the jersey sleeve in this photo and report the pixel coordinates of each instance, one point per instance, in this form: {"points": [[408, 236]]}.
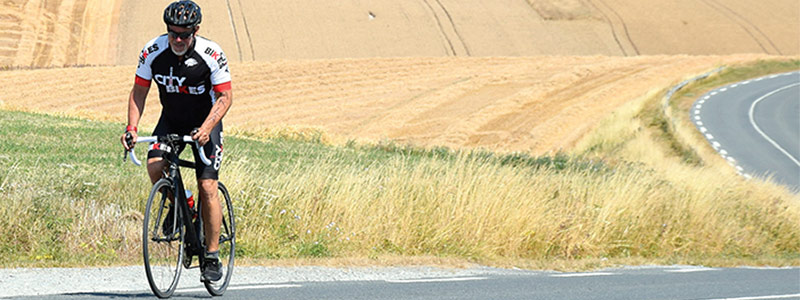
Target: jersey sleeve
{"points": [[144, 72], [218, 65], [221, 75]]}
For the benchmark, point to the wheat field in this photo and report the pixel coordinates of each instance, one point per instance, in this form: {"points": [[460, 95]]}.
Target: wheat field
{"points": [[400, 71], [403, 74], [537, 105]]}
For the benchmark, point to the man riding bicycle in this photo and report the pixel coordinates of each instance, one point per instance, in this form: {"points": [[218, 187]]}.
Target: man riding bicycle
{"points": [[194, 86]]}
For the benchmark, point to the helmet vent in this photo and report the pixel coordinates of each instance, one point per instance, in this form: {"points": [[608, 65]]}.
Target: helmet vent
{"points": [[183, 13]]}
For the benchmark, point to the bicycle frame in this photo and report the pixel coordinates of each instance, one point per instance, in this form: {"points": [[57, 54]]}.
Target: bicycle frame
{"points": [[193, 239]]}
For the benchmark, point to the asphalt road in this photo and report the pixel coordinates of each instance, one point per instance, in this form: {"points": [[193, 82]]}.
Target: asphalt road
{"points": [[755, 125], [674, 282]]}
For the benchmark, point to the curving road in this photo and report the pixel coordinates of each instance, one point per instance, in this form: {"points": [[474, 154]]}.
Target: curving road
{"points": [[755, 126]]}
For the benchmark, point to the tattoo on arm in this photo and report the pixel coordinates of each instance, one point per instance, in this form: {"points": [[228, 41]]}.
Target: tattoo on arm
{"points": [[219, 107]]}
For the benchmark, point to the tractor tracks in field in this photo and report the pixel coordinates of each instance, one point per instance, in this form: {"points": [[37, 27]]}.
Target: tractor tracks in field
{"points": [[752, 30], [447, 28], [232, 17], [618, 27]]}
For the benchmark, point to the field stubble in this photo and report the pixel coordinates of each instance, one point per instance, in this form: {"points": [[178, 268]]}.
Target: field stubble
{"points": [[530, 104]]}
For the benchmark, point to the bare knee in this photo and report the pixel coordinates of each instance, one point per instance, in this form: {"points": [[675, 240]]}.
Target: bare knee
{"points": [[207, 186], [155, 168]]}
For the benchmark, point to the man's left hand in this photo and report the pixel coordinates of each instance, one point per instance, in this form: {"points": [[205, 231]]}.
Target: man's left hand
{"points": [[200, 135]]}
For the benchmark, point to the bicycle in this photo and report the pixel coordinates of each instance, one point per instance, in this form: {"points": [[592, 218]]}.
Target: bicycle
{"points": [[165, 250]]}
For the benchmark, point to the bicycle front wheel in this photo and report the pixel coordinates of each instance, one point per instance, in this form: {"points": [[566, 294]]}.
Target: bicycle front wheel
{"points": [[162, 246], [227, 244]]}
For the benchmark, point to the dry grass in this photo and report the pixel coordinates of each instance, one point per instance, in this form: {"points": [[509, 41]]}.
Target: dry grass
{"points": [[474, 208], [309, 200]]}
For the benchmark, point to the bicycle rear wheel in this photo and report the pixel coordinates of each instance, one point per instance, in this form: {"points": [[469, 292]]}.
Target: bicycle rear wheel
{"points": [[162, 248], [227, 244]]}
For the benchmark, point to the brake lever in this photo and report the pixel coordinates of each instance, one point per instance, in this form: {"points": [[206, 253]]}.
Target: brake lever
{"points": [[128, 140]]}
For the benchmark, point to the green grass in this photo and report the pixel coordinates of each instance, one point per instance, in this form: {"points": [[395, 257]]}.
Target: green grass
{"points": [[623, 195], [70, 199]]}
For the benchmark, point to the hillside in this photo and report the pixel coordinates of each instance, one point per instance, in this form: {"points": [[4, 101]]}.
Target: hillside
{"points": [[534, 104], [508, 74], [77, 32]]}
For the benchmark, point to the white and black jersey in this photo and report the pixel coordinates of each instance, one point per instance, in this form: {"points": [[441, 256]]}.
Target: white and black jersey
{"points": [[186, 87]]}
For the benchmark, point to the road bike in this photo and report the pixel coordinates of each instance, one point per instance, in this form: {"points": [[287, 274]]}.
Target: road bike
{"points": [[168, 248]]}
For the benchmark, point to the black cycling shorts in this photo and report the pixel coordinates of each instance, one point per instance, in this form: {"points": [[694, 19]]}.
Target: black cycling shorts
{"points": [[212, 149]]}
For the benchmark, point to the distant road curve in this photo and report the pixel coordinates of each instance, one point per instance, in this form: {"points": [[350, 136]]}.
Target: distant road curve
{"points": [[755, 126]]}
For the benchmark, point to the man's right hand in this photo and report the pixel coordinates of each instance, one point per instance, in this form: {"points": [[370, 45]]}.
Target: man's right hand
{"points": [[129, 140]]}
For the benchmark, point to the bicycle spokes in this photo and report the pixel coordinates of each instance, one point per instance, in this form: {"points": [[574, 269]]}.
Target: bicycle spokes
{"points": [[162, 249]]}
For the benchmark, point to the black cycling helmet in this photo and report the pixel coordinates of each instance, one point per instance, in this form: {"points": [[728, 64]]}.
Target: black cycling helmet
{"points": [[183, 13]]}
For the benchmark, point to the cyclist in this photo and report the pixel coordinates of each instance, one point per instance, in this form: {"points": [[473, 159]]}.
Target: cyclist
{"points": [[194, 86]]}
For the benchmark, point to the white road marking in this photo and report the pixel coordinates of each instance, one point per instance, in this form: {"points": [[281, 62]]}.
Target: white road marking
{"points": [[690, 270], [761, 132], [717, 146], [435, 280], [761, 297], [244, 287], [583, 274]]}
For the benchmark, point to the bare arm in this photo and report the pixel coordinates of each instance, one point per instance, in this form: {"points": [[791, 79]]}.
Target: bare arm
{"points": [[136, 101], [218, 111]]}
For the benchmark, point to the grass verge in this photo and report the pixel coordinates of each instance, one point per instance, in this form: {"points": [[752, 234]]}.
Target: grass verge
{"points": [[624, 195], [69, 200]]}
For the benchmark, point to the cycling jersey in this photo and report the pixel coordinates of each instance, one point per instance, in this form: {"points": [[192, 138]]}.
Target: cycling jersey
{"points": [[187, 91], [186, 87]]}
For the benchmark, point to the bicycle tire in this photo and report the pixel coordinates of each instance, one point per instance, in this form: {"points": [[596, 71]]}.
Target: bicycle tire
{"points": [[163, 253], [227, 244]]}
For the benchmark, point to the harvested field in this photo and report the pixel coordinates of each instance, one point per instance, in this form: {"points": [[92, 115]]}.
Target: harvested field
{"points": [[502, 75], [537, 104], [37, 33]]}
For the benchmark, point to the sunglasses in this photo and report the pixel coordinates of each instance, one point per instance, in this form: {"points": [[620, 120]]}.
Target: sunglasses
{"points": [[182, 35]]}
